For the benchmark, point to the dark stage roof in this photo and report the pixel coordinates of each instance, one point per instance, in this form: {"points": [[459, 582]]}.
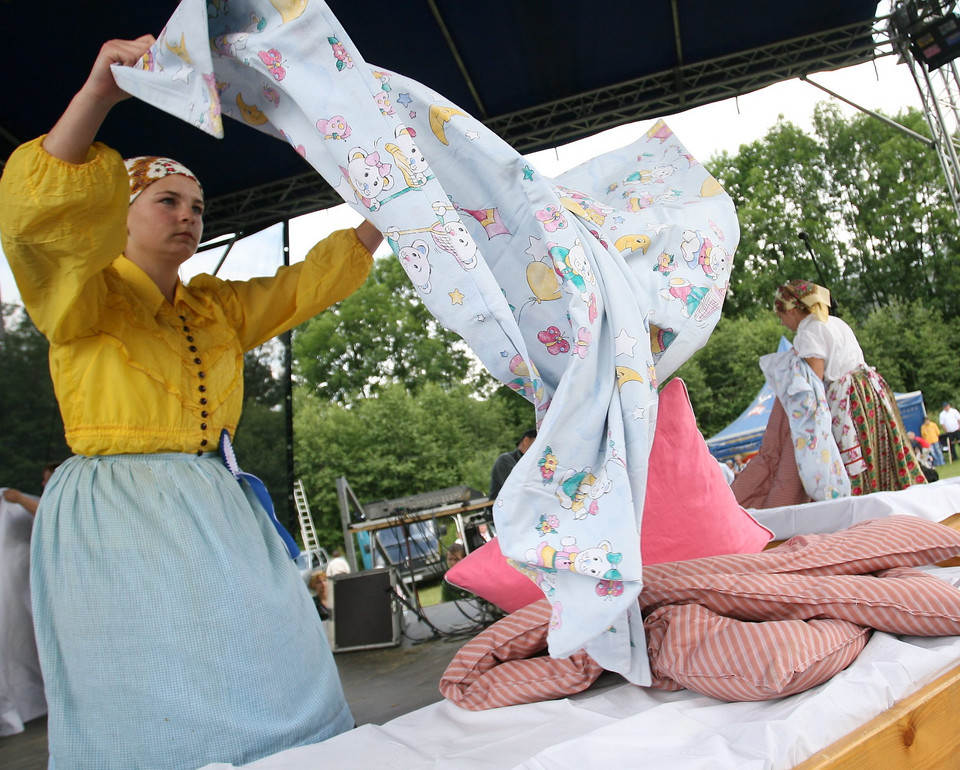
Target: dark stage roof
{"points": [[538, 74]]}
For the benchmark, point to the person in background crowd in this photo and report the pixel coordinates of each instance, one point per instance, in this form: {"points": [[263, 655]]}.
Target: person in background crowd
{"points": [[29, 502], [338, 565], [506, 462], [931, 432], [950, 422]]}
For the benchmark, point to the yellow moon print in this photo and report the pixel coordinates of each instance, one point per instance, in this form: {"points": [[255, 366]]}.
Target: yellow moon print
{"points": [[180, 49], [710, 187], [633, 242], [289, 9], [251, 113], [625, 375], [439, 117]]}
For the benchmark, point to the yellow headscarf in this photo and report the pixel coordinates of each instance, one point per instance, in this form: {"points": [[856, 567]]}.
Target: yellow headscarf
{"points": [[803, 294]]}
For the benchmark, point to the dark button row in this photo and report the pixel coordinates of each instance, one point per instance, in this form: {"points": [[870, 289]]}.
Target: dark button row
{"points": [[201, 374]]}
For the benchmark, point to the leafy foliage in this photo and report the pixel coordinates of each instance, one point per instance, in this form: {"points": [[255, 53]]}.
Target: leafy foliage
{"points": [[261, 440], [380, 335], [724, 375], [30, 421], [914, 348], [872, 200], [395, 445]]}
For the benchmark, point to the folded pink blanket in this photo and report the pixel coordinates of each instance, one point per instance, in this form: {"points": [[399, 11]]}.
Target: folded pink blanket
{"points": [[740, 627]]}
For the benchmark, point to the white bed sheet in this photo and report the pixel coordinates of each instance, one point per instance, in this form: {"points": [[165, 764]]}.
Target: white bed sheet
{"points": [[621, 725], [21, 683], [934, 502]]}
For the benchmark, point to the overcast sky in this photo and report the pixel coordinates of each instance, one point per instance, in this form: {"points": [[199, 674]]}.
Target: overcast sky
{"points": [[880, 85]]}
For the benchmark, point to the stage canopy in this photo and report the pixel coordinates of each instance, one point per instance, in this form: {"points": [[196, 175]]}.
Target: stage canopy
{"points": [[537, 75]]}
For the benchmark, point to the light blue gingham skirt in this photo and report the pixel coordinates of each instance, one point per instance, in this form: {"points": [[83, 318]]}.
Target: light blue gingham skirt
{"points": [[173, 628]]}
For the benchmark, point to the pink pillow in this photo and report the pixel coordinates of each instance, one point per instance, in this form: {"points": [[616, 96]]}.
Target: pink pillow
{"points": [[487, 573], [689, 511]]}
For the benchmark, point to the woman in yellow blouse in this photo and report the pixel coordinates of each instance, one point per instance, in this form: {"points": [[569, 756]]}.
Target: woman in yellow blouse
{"points": [[173, 628]]}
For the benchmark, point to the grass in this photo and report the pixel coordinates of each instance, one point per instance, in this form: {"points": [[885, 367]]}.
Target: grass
{"points": [[430, 592], [949, 470]]}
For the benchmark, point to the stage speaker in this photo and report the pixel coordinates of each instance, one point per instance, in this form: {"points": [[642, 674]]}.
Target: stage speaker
{"points": [[365, 611]]}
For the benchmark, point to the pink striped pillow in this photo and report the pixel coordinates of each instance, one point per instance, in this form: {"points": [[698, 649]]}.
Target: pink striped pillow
{"points": [[866, 547], [499, 666], [692, 647], [899, 601]]}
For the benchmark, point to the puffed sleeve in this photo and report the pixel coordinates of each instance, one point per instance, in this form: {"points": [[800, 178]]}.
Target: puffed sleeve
{"points": [[61, 224], [262, 308], [811, 340]]}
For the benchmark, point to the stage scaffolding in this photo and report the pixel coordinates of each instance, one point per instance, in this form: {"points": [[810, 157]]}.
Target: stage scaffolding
{"points": [[939, 86]]}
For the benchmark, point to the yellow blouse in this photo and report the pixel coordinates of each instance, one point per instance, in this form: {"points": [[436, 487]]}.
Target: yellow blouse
{"points": [[133, 373]]}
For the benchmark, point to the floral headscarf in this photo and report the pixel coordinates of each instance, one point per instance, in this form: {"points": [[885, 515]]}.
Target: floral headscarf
{"points": [[147, 169], [806, 295]]}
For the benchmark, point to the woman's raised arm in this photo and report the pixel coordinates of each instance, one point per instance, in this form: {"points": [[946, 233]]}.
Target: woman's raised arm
{"points": [[77, 127]]}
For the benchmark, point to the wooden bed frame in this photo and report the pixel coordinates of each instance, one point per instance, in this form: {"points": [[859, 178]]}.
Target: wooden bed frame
{"points": [[918, 733]]}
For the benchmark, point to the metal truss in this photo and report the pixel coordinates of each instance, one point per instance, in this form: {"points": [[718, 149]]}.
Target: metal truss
{"points": [[564, 120], [939, 89], [684, 87]]}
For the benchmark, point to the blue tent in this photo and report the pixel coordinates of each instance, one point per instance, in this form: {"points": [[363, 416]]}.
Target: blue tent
{"points": [[744, 435]]}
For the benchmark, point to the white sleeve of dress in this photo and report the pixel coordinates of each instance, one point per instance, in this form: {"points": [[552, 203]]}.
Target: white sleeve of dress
{"points": [[811, 340]]}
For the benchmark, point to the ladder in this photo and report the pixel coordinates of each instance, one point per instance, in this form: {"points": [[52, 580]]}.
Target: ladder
{"points": [[307, 531]]}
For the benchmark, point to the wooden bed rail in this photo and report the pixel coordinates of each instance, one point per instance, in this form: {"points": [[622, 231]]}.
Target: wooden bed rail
{"points": [[918, 733]]}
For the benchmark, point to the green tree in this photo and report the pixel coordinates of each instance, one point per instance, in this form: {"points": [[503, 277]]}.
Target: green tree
{"points": [[913, 348], [724, 376], [261, 440], [872, 200], [395, 445], [30, 421], [889, 199], [776, 184], [380, 335]]}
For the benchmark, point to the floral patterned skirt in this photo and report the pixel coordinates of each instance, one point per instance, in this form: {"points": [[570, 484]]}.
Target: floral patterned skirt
{"points": [[869, 431]]}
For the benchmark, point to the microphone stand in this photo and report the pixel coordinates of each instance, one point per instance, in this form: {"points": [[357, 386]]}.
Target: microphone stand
{"points": [[823, 282]]}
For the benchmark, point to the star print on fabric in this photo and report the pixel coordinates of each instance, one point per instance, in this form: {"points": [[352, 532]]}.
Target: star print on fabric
{"points": [[183, 73], [625, 343], [404, 99], [472, 135], [456, 298], [534, 249], [527, 174], [639, 412], [413, 114]]}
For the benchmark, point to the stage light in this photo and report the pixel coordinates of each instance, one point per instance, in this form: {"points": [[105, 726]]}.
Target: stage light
{"points": [[937, 42]]}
